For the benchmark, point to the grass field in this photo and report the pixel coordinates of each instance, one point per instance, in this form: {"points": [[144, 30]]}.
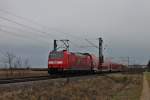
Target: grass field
{"points": [[110, 87]]}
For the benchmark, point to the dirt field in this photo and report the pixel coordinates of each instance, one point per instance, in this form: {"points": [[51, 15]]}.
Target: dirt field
{"points": [[110, 87]]}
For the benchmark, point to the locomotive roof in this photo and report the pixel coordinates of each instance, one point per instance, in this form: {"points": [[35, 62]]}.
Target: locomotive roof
{"points": [[76, 53]]}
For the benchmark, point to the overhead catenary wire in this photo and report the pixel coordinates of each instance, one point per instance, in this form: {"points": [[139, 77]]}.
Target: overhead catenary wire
{"points": [[21, 31], [21, 17], [20, 36], [37, 30], [25, 26], [31, 21], [36, 23], [24, 36], [92, 43]]}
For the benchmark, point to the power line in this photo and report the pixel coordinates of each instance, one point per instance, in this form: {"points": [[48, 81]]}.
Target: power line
{"points": [[20, 24], [81, 46], [31, 21], [91, 43], [23, 25], [18, 29], [74, 44], [10, 13], [19, 36]]}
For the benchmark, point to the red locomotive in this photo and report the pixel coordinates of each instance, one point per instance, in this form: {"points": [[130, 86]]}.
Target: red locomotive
{"points": [[59, 61], [64, 60]]}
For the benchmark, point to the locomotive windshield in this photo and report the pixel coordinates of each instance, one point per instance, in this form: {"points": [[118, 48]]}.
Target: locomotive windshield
{"points": [[54, 55]]}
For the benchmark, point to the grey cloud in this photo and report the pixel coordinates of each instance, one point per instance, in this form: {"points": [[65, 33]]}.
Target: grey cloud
{"points": [[124, 25]]}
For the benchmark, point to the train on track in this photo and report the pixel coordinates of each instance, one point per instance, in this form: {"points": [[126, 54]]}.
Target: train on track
{"points": [[60, 61]]}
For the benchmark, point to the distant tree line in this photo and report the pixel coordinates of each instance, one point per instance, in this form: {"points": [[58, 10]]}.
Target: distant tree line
{"points": [[11, 61]]}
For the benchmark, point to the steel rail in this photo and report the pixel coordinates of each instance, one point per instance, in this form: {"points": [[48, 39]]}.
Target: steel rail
{"points": [[38, 78]]}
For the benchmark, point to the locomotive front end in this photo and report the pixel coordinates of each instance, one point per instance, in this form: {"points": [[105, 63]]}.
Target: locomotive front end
{"points": [[57, 61]]}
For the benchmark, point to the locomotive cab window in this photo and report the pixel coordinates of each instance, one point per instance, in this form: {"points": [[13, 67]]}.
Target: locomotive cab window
{"points": [[55, 55]]}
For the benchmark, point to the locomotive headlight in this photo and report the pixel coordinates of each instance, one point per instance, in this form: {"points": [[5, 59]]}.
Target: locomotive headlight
{"points": [[59, 62], [55, 62], [50, 62]]}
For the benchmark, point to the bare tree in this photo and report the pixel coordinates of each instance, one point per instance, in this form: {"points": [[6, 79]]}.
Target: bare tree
{"points": [[9, 59], [13, 61], [18, 62], [26, 63]]}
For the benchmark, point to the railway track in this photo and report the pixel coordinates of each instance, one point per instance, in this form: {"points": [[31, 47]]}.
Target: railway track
{"points": [[23, 79], [38, 78]]}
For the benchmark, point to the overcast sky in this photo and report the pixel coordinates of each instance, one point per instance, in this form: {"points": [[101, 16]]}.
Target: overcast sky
{"points": [[28, 27]]}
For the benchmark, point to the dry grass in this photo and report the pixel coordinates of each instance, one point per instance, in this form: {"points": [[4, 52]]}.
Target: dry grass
{"points": [[131, 89], [122, 87], [147, 77], [20, 73]]}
